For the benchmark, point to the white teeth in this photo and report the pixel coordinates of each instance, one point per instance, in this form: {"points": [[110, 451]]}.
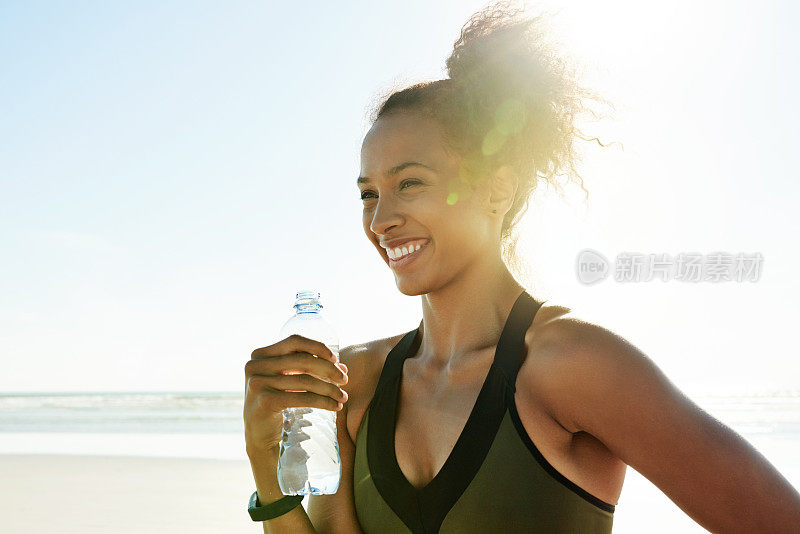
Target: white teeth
{"points": [[399, 252]]}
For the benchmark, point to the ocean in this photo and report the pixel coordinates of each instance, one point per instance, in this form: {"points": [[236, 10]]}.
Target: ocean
{"points": [[210, 425], [167, 424]]}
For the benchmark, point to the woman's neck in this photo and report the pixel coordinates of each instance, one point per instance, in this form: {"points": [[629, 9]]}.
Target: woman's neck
{"points": [[466, 316]]}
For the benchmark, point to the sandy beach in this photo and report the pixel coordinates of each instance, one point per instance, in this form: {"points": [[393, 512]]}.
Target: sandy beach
{"points": [[85, 494], [47, 493]]}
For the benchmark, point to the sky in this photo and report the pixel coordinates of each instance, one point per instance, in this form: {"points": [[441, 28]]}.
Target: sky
{"points": [[171, 173]]}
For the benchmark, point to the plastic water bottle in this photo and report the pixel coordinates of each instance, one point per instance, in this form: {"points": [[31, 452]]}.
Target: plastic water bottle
{"points": [[308, 461]]}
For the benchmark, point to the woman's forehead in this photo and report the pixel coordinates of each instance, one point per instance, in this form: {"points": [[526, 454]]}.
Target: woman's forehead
{"points": [[402, 137]]}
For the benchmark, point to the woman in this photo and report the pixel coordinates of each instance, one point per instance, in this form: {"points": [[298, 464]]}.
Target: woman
{"points": [[500, 411]]}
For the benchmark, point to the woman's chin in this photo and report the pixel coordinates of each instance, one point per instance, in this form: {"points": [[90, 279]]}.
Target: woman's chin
{"points": [[410, 290]]}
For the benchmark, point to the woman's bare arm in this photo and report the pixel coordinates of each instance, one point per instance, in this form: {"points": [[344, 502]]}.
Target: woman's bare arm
{"points": [[602, 384]]}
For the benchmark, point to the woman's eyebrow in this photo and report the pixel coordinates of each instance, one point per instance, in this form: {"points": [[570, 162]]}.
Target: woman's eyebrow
{"points": [[397, 168]]}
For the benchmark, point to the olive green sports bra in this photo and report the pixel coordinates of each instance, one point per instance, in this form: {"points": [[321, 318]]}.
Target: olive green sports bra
{"points": [[494, 479]]}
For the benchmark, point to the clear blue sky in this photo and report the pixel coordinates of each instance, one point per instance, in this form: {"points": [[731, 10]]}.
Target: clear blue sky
{"points": [[172, 172]]}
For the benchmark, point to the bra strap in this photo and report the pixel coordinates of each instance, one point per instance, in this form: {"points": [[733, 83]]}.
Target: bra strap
{"points": [[393, 365], [511, 346]]}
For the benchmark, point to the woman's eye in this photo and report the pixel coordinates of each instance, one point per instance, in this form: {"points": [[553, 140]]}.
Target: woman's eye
{"points": [[409, 181]]}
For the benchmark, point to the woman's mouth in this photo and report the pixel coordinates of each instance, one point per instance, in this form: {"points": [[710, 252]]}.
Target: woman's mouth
{"points": [[402, 260]]}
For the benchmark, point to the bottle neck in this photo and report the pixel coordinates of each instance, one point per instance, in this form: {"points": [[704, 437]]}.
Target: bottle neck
{"points": [[307, 302], [308, 307]]}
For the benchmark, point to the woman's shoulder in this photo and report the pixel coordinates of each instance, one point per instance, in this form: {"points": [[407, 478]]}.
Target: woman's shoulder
{"points": [[558, 329], [364, 363], [555, 322], [570, 354], [364, 358]]}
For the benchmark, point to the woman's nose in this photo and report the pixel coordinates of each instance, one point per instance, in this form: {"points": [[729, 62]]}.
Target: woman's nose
{"points": [[384, 217]]}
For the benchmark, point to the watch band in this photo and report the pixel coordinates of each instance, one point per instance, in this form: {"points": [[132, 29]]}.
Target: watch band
{"points": [[273, 509]]}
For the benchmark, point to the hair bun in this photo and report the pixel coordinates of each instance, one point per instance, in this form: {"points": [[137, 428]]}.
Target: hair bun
{"points": [[495, 45]]}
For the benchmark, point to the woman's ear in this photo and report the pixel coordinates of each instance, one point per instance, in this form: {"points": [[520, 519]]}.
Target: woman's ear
{"points": [[503, 185]]}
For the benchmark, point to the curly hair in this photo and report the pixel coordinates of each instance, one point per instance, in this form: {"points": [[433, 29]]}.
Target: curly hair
{"points": [[509, 99]]}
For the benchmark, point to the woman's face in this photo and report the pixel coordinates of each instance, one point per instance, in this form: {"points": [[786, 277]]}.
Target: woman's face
{"points": [[411, 190]]}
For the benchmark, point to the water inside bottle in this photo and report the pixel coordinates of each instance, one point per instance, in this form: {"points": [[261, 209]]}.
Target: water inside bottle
{"points": [[309, 457], [309, 446]]}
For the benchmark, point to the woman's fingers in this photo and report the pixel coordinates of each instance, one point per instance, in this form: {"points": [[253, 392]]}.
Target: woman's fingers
{"points": [[295, 343], [304, 382], [296, 362]]}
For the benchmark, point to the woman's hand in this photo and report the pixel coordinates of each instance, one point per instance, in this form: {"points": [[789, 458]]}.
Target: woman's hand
{"points": [[288, 374]]}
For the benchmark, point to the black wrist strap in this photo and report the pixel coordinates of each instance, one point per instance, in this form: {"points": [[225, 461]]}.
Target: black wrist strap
{"points": [[272, 510]]}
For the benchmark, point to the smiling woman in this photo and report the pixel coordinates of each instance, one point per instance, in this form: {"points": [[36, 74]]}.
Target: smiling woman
{"points": [[500, 412], [510, 104]]}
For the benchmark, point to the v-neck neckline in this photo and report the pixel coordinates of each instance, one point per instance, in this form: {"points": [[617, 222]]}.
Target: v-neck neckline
{"points": [[465, 431], [423, 509]]}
